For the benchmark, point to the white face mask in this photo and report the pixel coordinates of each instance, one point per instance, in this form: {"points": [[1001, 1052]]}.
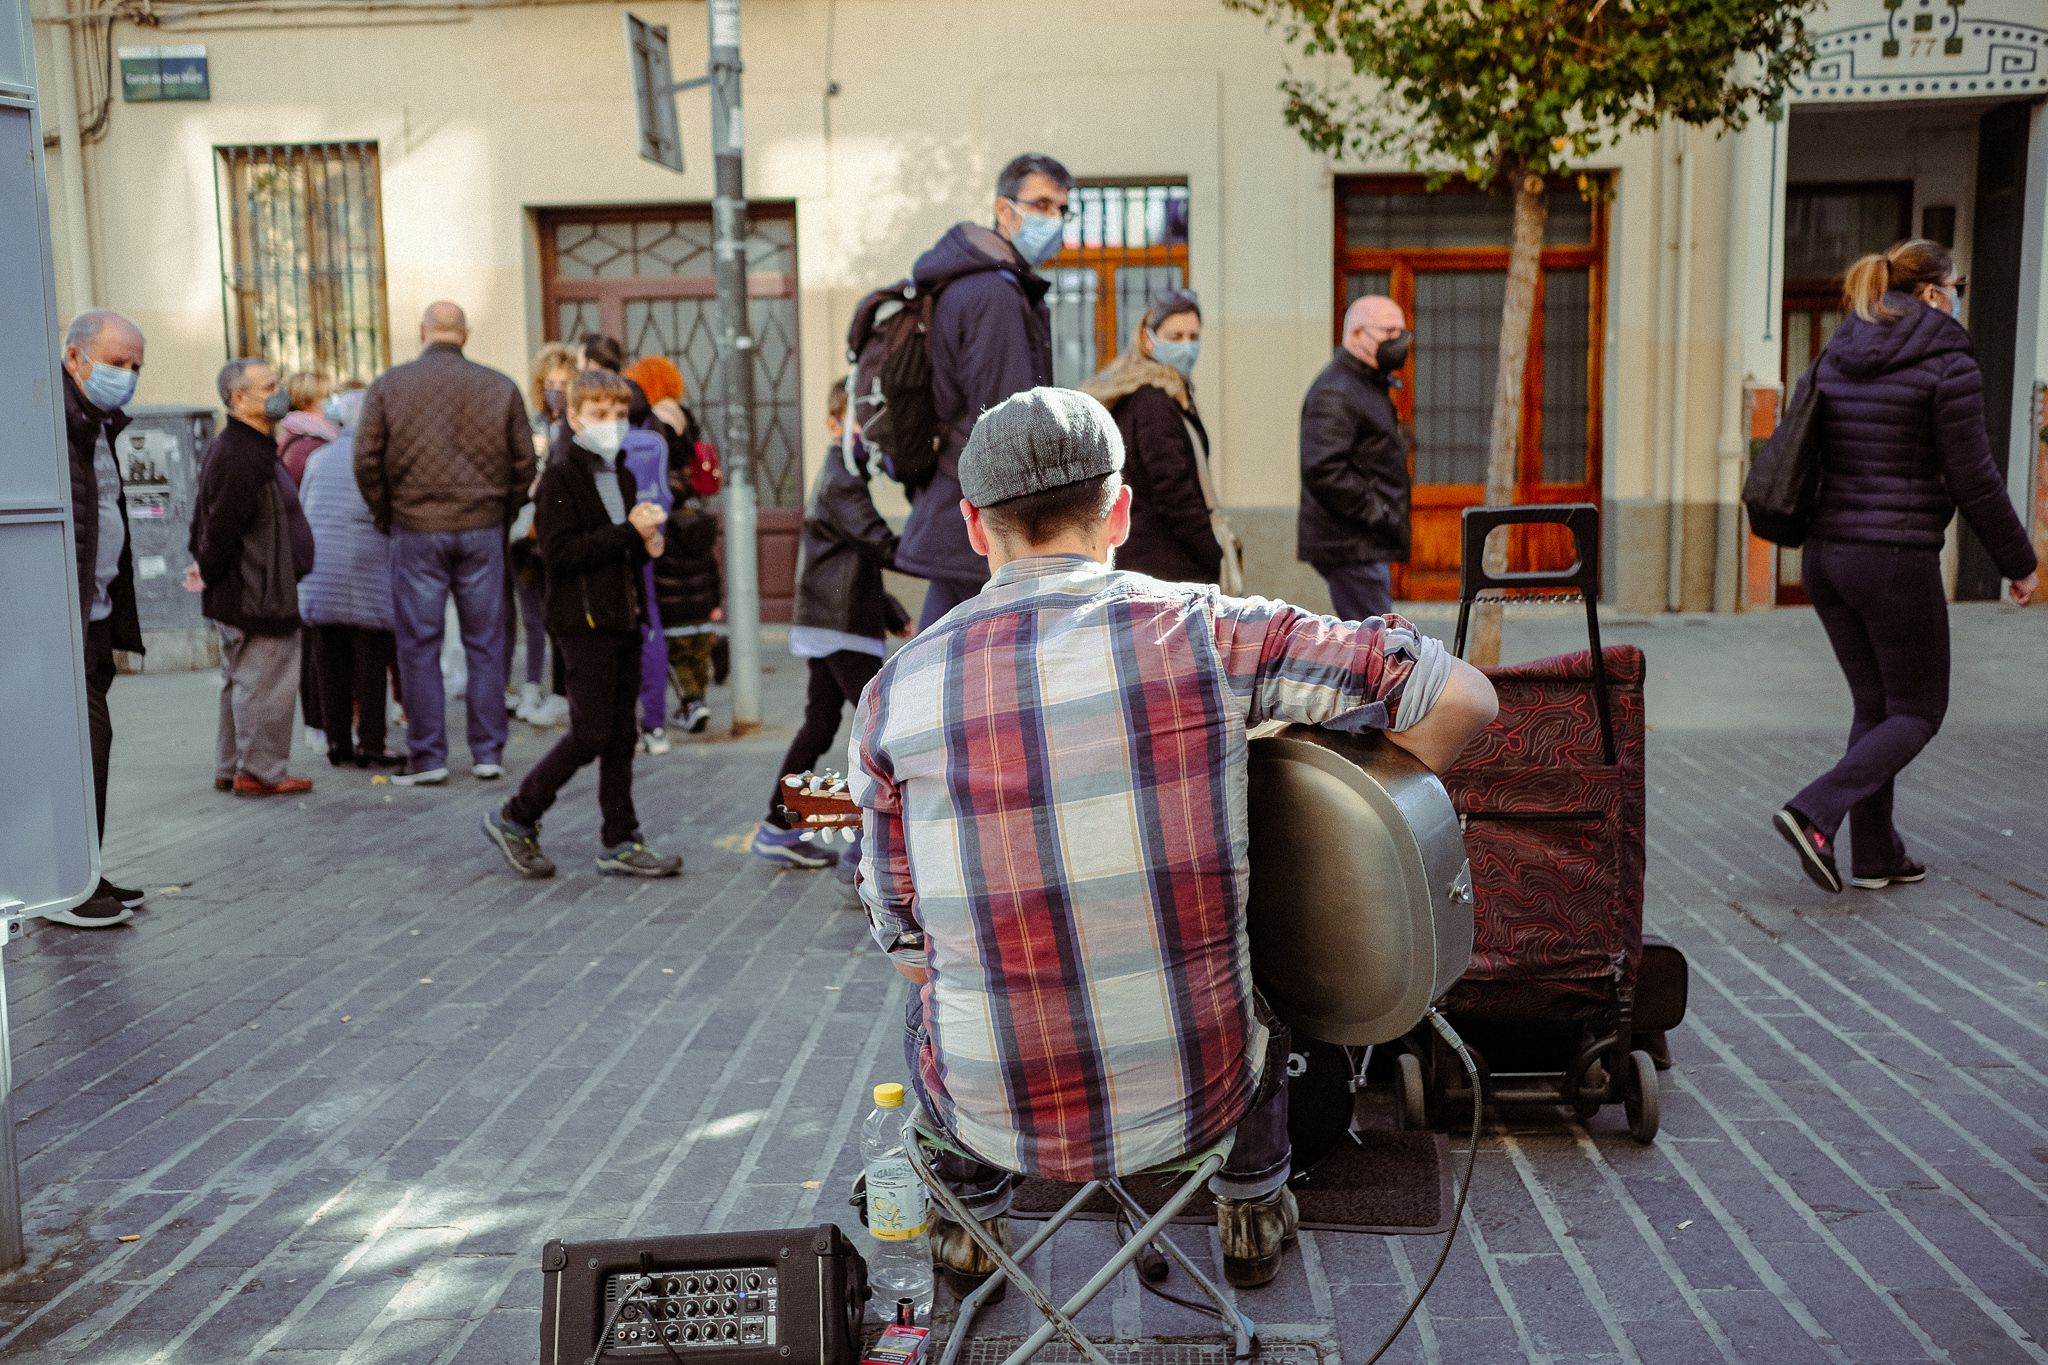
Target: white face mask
{"points": [[603, 439]]}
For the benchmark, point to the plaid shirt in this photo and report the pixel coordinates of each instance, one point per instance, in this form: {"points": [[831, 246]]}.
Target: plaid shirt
{"points": [[1054, 785]]}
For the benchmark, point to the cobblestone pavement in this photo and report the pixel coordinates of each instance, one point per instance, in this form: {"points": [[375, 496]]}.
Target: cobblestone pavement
{"points": [[324, 1101]]}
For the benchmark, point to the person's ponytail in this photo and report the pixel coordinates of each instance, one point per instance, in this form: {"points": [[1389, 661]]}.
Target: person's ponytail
{"points": [[1863, 289], [1904, 268]]}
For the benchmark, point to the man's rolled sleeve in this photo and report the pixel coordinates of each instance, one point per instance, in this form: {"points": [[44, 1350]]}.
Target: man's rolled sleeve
{"points": [[884, 874], [1290, 665]]}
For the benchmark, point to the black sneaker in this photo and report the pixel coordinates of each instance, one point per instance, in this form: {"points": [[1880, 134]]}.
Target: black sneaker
{"points": [[1816, 850], [520, 846], [132, 899], [1904, 871], [100, 912], [635, 859]]}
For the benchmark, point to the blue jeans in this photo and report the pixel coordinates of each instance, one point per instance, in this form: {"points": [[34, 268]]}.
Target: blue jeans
{"points": [[425, 567], [1886, 615], [1359, 590], [1260, 1161]]}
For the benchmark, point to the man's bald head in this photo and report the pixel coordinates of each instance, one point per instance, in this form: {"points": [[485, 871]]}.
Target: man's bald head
{"points": [[443, 321], [1369, 321], [101, 336]]}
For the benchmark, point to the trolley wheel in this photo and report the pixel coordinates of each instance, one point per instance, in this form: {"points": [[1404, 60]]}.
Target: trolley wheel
{"points": [[1640, 1103], [1414, 1110], [1587, 1091]]}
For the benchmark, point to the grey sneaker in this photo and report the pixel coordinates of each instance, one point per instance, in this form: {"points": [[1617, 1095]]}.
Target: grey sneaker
{"points": [[635, 859], [432, 777], [487, 772], [520, 846]]}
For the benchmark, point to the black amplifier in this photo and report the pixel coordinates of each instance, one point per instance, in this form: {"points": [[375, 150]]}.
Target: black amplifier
{"points": [[793, 1297]]}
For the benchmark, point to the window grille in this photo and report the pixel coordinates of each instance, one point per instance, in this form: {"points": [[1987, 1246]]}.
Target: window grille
{"points": [[1125, 243], [302, 257]]}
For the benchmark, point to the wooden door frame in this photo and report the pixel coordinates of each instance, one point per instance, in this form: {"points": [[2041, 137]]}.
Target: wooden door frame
{"points": [[1400, 264]]}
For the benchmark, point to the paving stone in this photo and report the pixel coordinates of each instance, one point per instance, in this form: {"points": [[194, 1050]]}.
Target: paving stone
{"points": [[1852, 1132]]}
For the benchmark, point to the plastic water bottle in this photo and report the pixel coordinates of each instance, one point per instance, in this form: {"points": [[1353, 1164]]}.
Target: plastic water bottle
{"points": [[898, 1213]]}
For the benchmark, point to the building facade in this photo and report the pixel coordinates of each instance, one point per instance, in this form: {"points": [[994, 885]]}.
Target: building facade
{"points": [[350, 163]]}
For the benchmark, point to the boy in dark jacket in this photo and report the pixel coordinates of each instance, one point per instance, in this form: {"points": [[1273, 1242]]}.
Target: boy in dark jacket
{"points": [[594, 548], [842, 617]]}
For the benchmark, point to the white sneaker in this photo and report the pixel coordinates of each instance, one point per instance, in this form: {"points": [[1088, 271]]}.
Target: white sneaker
{"points": [[551, 712], [432, 777], [655, 741], [316, 740], [529, 701], [487, 772]]}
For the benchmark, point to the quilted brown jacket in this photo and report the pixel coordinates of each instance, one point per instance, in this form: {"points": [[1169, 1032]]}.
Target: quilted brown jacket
{"points": [[443, 444]]}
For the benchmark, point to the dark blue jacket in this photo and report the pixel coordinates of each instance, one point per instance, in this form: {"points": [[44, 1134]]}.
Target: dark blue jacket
{"points": [[1903, 431], [1355, 486], [991, 337]]}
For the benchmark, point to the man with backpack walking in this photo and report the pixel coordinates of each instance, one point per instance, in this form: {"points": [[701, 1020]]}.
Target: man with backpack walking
{"points": [[990, 337]]}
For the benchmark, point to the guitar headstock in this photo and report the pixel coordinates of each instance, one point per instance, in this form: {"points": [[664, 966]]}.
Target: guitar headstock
{"points": [[819, 804]]}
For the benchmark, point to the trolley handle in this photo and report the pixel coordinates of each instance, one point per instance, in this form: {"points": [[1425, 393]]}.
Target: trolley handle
{"points": [[1582, 519]]}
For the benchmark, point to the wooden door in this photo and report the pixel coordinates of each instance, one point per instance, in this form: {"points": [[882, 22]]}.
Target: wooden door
{"points": [[1443, 257], [644, 276]]}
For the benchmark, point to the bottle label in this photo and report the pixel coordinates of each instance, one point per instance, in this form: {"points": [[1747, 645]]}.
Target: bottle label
{"points": [[896, 1200]]}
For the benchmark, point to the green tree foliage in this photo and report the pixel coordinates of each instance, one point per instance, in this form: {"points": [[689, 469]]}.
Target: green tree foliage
{"points": [[1507, 92]]}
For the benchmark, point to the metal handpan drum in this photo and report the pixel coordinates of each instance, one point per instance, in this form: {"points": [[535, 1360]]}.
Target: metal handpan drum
{"points": [[1361, 899]]}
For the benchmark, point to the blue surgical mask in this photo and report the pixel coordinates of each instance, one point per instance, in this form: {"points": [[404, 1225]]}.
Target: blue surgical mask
{"points": [[330, 408], [1038, 236], [109, 386], [1179, 354]]}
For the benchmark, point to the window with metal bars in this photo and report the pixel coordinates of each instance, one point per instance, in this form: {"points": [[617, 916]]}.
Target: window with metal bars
{"points": [[1125, 243], [302, 257]]}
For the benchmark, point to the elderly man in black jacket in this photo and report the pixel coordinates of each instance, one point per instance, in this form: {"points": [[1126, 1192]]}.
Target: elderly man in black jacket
{"points": [[250, 547], [102, 362], [1354, 463]]}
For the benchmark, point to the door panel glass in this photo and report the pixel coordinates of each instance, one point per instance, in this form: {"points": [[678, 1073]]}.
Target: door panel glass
{"points": [[1457, 351], [1567, 342], [685, 330], [1407, 219], [1360, 283], [1071, 300]]}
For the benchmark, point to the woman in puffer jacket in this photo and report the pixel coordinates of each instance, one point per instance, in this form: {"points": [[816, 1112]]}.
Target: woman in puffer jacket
{"points": [[1904, 446]]}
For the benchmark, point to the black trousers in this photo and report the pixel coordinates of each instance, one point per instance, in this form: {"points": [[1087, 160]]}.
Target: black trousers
{"points": [[351, 664], [836, 683], [99, 678], [604, 691], [1886, 616]]}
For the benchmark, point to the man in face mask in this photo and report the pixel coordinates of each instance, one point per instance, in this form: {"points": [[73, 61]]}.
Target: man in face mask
{"points": [[1355, 479], [991, 336], [102, 362]]}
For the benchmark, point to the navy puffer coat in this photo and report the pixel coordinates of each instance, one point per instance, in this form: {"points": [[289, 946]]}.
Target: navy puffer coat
{"points": [[1903, 426]]}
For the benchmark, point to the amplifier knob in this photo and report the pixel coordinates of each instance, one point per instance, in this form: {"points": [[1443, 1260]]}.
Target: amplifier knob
{"points": [[671, 1333], [732, 1305], [753, 1281], [672, 1286], [732, 1282], [690, 1286], [691, 1308], [731, 1331], [690, 1332]]}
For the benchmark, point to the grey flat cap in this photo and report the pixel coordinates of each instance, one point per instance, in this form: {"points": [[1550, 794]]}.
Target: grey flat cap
{"points": [[1038, 440]]}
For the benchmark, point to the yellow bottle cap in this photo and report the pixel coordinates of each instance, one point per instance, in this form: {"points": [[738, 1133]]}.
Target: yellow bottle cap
{"points": [[889, 1096]]}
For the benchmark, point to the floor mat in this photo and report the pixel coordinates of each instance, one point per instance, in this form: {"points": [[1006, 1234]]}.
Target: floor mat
{"points": [[1393, 1184]]}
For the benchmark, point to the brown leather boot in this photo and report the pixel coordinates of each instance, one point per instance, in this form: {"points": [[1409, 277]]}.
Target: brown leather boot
{"points": [[961, 1262], [1254, 1232]]}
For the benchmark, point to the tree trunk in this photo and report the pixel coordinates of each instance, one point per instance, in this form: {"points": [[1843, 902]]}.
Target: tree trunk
{"points": [[1517, 312]]}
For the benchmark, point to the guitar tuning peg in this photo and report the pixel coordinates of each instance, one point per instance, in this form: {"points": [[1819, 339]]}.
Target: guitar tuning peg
{"points": [[849, 834], [808, 836], [793, 782]]}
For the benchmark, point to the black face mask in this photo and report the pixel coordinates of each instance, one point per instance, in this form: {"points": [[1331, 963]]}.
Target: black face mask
{"points": [[1393, 352]]}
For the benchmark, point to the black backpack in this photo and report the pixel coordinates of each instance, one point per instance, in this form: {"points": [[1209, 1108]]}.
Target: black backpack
{"points": [[889, 381], [1782, 491]]}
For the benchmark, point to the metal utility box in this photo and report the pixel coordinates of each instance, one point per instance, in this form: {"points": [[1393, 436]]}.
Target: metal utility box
{"points": [[159, 454]]}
